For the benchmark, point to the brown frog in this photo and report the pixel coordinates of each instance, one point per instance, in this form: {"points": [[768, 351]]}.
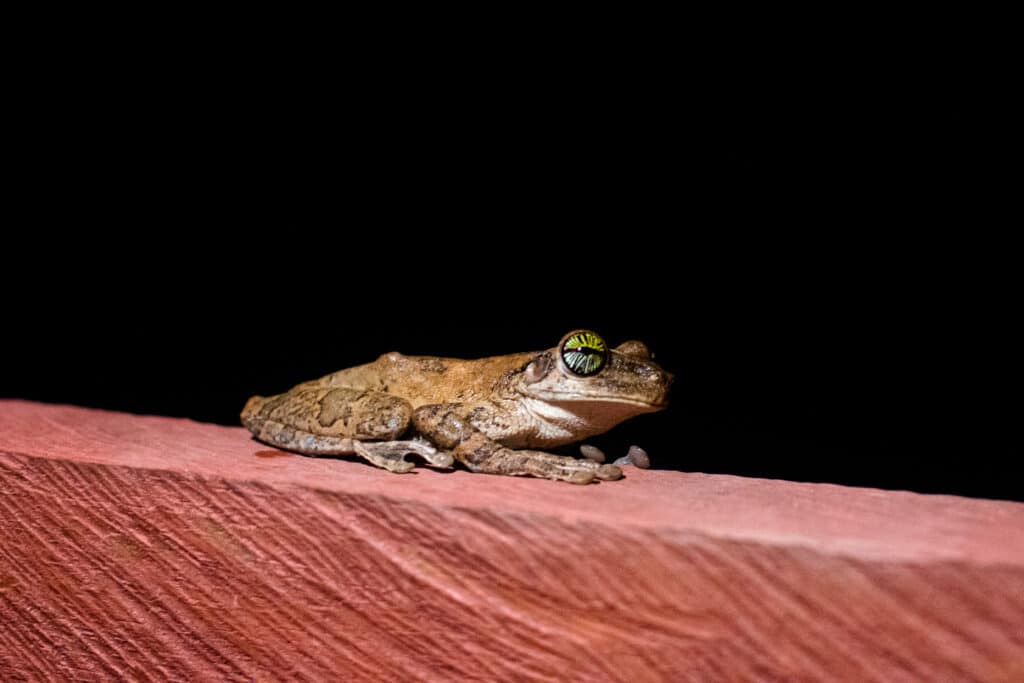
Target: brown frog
{"points": [[489, 414]]}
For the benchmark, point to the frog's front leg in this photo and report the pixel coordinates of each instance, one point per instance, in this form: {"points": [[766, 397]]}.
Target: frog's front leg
{"points": [[317, 420], [448, 427]]}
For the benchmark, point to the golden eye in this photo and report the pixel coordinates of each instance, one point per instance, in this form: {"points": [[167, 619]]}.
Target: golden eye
{"points": [[584, 353]]}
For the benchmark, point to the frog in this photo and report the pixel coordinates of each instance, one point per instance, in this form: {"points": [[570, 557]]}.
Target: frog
{"points": [[494, 415]]}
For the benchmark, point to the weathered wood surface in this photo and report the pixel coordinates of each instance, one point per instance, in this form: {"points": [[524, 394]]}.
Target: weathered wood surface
{"points": [[148, 548]]}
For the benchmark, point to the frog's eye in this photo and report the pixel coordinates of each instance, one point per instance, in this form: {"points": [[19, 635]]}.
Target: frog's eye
{"points": [[584, 353]]}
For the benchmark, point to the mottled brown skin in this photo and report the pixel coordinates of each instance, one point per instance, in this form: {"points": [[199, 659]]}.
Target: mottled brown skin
{"points": [[489, 414]]}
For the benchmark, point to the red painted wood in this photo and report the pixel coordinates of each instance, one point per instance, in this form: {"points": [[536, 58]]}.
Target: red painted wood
{"points": [[157, 548]]}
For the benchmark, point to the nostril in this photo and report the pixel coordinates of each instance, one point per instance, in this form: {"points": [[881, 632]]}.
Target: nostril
{"points": [[661, 378]]}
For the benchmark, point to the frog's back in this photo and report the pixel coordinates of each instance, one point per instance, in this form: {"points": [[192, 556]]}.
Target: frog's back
{"points": [[424, 380]]}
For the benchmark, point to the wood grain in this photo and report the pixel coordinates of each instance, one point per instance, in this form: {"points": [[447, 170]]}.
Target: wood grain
{"points": [[149, 548]]}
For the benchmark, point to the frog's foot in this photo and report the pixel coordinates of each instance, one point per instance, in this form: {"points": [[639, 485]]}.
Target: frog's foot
{"points": [[448, 426], [391, 454], [544, 465]]}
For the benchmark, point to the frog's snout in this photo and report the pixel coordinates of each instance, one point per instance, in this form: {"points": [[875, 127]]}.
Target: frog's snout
{"points": [[659, 377], [656, 383], [665, 379]]}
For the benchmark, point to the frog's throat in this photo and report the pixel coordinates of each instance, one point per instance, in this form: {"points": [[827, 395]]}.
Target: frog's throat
{"points": [[557, 423]]}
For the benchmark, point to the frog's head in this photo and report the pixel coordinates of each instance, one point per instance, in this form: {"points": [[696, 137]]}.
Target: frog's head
{"points": [[619, 382]]}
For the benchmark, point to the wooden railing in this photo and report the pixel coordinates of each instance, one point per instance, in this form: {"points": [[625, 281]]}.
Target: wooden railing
{"points": [[149, 548]]}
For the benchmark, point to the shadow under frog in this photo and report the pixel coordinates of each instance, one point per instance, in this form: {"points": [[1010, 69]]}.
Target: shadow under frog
{"points": [[492, 414]]}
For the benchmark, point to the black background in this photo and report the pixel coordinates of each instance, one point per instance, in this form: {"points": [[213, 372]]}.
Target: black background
{"points": [[810, 249]]}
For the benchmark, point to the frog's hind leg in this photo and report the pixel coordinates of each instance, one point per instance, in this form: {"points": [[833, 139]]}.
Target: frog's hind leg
{"points": [[323, 421], [387, 454]]}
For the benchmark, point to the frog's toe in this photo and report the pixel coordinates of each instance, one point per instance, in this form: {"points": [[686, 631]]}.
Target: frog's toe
{"points": [[636, 456], [425, 450], [400, 466], [608, 472], [389, 455], [439, 459], [639, 457], [579, 477]]}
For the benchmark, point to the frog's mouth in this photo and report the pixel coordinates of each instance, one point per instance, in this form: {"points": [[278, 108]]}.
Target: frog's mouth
{"points": [[567, 398]]}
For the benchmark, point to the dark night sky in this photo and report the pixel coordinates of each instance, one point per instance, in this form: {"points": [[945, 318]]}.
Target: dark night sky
{"points": [[808, 258]]}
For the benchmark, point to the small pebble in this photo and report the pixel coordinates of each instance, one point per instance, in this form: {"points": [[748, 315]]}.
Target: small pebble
{"points": [[592, 453]]}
